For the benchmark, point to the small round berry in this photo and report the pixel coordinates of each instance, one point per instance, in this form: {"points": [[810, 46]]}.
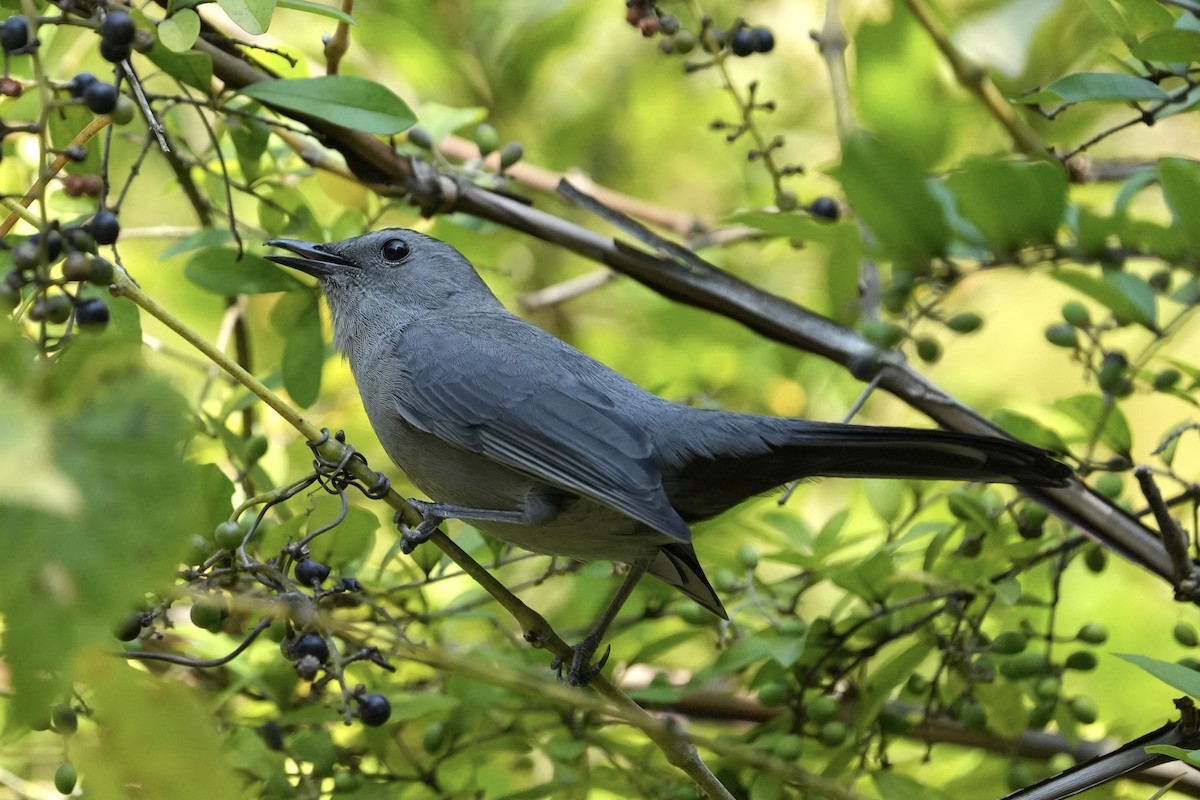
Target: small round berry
{"points": [[14, 34], [742, 42], [78, 266], [683, 42], [208, 614], [123, 113], [825, 208], [76, 153], [100, 98], [76, 85], [314, 645], [10, 297], [11, 87], [510, 154], [374, 710], [27, 255], [92, 313], [65, 778], [64, 718], [420, 137], [55, 309], [487, 138], [229, 535], [102, 272], [669, 24], [130, 626], [762, 39], [311, 573], [118, 28], [104, 227], [114, 53]]}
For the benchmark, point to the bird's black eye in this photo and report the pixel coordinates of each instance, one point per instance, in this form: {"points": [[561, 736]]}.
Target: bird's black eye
{"points": [[395, 250]]}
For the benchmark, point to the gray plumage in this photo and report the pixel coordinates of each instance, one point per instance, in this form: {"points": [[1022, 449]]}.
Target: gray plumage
{"points": [[487, 413]]}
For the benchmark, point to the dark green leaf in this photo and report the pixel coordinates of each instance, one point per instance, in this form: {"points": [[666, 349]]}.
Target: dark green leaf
{"points": [[345, 100], [1185, 679], [1129, 297], [1102, 87], [888, 191], [1176, 45], [1180, 179], [252, 16], [1010, 202], [192, 68], [297, 317], [1090, 412], [219, 270]]}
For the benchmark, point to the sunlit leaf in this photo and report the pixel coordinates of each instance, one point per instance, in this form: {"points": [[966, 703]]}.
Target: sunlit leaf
{"points": [[345, 100]]}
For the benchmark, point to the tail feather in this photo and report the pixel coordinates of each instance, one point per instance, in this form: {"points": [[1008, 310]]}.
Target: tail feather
{"points": [[677, 565], [748, 455]]}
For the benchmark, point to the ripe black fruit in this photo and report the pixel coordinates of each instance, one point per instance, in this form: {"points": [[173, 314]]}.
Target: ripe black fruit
{"points": [[65, 719], [14, 34], [742, 42], [104, 227], [80, 82], [92, 313], [114, 53], [100, 98], [312, 644], [311, 573], [762, 39], [374, 710], [824, 207], [118, 28]]}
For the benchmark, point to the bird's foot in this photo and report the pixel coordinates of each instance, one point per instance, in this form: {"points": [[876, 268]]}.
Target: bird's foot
{"points": [[410, 538], [581, 672]]}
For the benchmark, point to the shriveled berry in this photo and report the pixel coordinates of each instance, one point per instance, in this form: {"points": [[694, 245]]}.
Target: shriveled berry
{"points": [[118, 27], [374, 710], [742, 42], [824, 207], [100, 98], [104, 227], [92, 313], [11, 87], [762, 39], [14, 34], [314, 645], [83, 186], [81, 81], [311, 573], [114, 53]]}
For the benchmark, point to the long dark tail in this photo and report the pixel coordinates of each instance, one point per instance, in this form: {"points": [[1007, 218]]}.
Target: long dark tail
{"points": [[743, 455]]}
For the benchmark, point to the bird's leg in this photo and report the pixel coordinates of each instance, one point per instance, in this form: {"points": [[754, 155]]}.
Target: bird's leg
{"points": [[582, 670], [534, 511]]}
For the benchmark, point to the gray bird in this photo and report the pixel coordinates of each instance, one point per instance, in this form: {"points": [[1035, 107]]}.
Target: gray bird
{"points": [[525, 437]]}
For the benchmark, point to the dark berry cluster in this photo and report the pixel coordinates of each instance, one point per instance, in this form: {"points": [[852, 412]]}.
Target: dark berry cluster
{"points": [[117, 32]]}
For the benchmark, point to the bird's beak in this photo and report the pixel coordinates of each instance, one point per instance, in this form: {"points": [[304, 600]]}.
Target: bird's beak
{"points": [[313, 258]]}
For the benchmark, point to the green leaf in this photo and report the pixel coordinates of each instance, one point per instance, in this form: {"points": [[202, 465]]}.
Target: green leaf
{"points": [[1009, 202], [297, 318], [65, 123], [178, 32], [442, 120], [884, 680], [1129, 297], [345, 100], [1104, 87], [252, 16], [1028, 430], [219, 270], [192, 68], [201, 239], [1185, 679], [1180, 179], [308, 7], [888, 192], [1090, 411], [1175, 45]]}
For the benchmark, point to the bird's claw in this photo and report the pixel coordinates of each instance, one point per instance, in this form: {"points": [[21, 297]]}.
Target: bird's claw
{"points": [[410, 538], [581, 672]]}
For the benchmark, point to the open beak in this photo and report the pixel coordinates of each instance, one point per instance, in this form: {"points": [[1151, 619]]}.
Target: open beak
{"points": [[312, 258]]}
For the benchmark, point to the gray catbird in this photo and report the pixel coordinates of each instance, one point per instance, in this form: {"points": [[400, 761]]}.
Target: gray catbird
{"points": [[513, 430]]}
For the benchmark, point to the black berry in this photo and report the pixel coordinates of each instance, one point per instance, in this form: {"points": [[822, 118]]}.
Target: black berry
{"points": [[130, 627], [100, 98], [76, 152], [825, 207], [763, 40], [14, 34], [26, 256], [742, 42], [114, 53], [92, 313], [54, 246], [65, 719], [104, 227], [118, 28], [374, 710], [312, 644], [311, 573], [80, 82]]}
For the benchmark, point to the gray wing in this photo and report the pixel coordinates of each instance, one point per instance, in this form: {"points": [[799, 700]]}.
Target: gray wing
{"points": [[513, 393]]}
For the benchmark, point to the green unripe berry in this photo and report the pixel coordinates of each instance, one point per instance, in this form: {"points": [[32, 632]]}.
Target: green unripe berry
{"points": [[1083, 708], [1076, 315], [1081, 661], [966, 322], [775, 693], [1185, 634], [748, 556], [64, 719], [1062, 335], [1167, 379], [1093, 633], [1048, 687], [510, 154], [1024, 665], [122, 113], [833, 733], [974, 717], [486, 138], [65, 778], [821, 708], [1111, 485], [77, 267], [228, 536], [882, 334], [1010, 643], [928, 350]]}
